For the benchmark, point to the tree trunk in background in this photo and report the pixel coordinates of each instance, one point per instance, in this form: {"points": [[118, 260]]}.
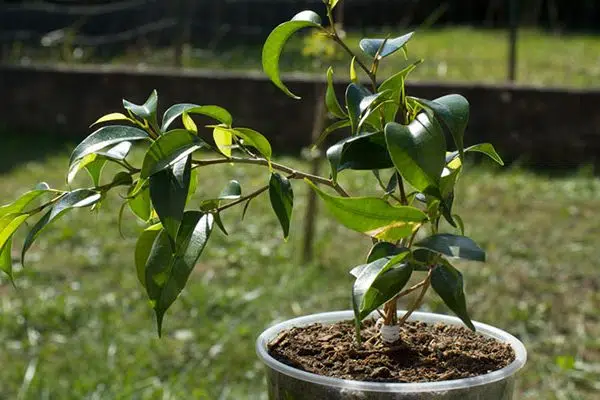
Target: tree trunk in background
{"points": [[184, 12]]}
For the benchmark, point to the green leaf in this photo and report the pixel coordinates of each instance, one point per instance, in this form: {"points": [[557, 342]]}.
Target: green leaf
{"points": [[104, 137], [112, 117], [6, 259], [383, 249], [365, 152], [168, 192], [140, 204], [453, 246], [418, 152], [330, 129], [356, 97], [169, 149], [485, 148], [27, 198], [143, 246], [373, 216], [223, 138], [215, 112], [395, 84], [447, 281], [9, 223], [167, 273], [276, 41], [76, 199], [254, 139], [371, 47], [282, 201], [333, 3], [453, 111], [333, 105], [232, 191], [353, 74], [448, 180], [188, 123], [146, 111], [378, 283]]}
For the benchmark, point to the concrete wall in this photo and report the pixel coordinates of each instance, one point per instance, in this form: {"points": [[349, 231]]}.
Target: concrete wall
{"points": [[546, 127]]}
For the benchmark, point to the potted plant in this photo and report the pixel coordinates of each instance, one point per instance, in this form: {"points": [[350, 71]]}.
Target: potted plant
{"points": [[415, 150]]}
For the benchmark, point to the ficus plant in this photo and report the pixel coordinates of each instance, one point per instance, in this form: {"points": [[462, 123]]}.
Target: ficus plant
{"points": [[414, 148]]}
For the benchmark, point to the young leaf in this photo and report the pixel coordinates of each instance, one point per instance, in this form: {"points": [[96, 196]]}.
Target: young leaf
{"points": [[168, 192], [276, 41], [146, 111], [485, 148], [379, 282], [282, 201], [104, 137], [453, 246], [254, 139], [9, 223], [6, 259], [372, 216], [143, 246], [232, 191], [453, 111], [331, 100], [140, 204], [447, 282], [418, 152], [168, 149], [75, 199], [223, 139], [188, 123], [27, 198], [215, 112], [112, 117], [395, 83], [353, 75], [390, 46]]}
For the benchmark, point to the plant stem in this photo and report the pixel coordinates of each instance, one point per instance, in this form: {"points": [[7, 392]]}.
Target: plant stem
{"points": [[252, 195], [419, 300]]}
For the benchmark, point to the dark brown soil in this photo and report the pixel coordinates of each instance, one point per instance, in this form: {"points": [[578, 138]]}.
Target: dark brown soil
{"points": [[425, 353]]}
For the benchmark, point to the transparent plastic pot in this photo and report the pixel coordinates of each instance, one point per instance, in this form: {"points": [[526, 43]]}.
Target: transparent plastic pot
{"points": [[288, 383]]}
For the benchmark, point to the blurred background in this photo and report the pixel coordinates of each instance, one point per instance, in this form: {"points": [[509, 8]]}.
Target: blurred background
{"points": [[77, 325]]}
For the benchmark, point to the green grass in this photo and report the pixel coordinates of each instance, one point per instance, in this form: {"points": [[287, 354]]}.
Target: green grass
{"points": [[78, 326]]}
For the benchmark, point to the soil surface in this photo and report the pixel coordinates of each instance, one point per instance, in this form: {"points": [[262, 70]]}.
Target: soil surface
{"points": [[425, 353]]}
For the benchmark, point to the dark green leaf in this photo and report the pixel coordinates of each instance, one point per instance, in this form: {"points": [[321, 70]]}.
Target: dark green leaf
{"points": [[75, 199], [104, 137], [453, 246], [330, 129], [453, 111], [219, 222], [364, 152], [276, 41], [447, 281], [379, 282], [357, 97], [390, 46], [27, 198], [383, 249], [254, 139], [418, 152], [146, 111], [485, 148], [232, 191], [373, 216], [143, 247], [282, 201], [169, 149], [168, 192], [333, 105]]}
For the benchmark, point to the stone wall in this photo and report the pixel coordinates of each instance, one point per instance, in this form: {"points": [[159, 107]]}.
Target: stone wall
{"points": [[544, 127]]}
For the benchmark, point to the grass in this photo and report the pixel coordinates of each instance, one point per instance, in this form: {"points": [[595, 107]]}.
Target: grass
{"points": [[78, 326]]}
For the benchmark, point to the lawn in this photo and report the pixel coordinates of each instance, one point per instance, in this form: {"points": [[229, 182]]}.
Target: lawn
{"points": [[78, 324]]}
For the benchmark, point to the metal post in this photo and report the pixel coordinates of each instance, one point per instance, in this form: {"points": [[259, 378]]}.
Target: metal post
{"points": [[513, 39]]}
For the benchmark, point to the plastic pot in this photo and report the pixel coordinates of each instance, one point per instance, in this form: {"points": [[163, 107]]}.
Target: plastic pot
{"points": [[287, 383]]}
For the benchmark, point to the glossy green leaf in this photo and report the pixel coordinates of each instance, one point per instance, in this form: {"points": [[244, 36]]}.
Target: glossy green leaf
{"points": [[276, 41], [232, 191], [219, 223], [167, 272], [94, 163], [168, 192], [355, 100], [447, 282], [76, 199], [140, 204], [363, 152], [330, 129], [9, 223], [378, 282], [383, 249], [215, 112], [331, 100], [453, 246], [6, 264], [169, 149], [385, 47], [188, 123], [395, 84], [143, 246], [418, 152], [453, 111], [145, 111], [485, 148], [254, 139], [112, 117], [282, 201], [104, 137], [223, 138], [373, 216], [27, 198], [448, 180]]}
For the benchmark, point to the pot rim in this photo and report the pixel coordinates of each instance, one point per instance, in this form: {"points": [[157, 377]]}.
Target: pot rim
{"points": [[335, 316]]}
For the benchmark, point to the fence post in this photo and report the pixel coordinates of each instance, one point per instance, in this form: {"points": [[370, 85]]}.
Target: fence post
{"points": [[513, 39]]}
